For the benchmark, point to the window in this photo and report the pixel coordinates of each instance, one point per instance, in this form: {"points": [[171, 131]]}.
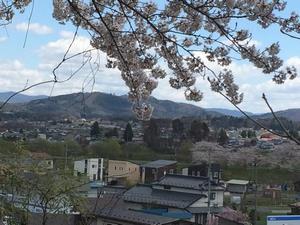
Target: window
{"points": [[167, 187], [212, 196], [115, 168], [171, 171], [216, 175], [93, 166], [198, 173], [193, 173]]}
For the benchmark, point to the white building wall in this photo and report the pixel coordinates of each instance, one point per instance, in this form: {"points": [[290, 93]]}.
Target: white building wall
{"points": [[218, 201], [90, 167], [79, 166]]}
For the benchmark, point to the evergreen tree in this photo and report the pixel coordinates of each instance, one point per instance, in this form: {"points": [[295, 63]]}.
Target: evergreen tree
{"points": [[95, 130], [251, 134], [244, 133], [128, 134], [152, 134], [199, 130], [222, 137], [112, 133], [177, 126], [205, 130]]}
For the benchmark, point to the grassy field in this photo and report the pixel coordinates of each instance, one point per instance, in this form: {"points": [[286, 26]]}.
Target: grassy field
{"points": [[265, 206], [264, 175]]}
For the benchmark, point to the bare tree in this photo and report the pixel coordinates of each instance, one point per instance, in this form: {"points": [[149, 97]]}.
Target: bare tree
{"points": [[28, 185]]}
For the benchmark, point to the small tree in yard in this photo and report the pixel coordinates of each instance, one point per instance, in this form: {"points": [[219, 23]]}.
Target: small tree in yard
{"points": [[128, 133], [51, 191]]}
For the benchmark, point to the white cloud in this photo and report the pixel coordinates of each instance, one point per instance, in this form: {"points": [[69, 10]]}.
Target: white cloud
{"points": [[14, 75], [36, 28], [66, 34], [249, 42], [3, 39]]}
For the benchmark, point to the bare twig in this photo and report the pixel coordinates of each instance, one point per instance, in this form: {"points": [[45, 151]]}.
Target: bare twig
{"points": [[285, 130], [250, 118], [28, 24], [23, 90]]}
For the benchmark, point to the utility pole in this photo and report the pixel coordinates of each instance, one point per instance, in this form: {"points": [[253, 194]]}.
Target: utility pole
{"points": [[66, 156], [255, 190], [209, 185]]}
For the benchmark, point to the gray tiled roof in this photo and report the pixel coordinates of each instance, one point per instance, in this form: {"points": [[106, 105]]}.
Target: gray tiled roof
{"points": [[159, 163], [189, 182], [146, 194], [114, 208]]}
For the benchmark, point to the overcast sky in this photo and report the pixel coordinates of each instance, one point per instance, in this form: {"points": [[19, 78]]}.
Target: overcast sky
{"points": [[48, 40]]}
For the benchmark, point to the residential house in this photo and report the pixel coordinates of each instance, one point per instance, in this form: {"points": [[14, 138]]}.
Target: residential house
{"points": [[272, 192], [237, 186], [265, 145], [155, 170], [237, 189], [110, 208], [201, 170], [41, 159], [185, 197], [123, 172], [295, 208], [92, 168]]}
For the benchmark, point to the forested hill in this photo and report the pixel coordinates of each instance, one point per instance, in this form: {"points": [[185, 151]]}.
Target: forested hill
{"points": [[19, 98], [99, 104], [291, 114]]}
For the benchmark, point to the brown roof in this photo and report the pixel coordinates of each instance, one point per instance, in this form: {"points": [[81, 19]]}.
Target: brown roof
{"points": [[39, 155], [233, 215]]}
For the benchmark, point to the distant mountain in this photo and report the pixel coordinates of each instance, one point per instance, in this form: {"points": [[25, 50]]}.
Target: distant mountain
{"points": [[229, 112], [19, 98], [101, 105], [291, 114]]}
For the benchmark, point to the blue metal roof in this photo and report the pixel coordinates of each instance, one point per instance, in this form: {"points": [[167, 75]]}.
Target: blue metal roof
{"points": [[284, 218], [164, 212]]}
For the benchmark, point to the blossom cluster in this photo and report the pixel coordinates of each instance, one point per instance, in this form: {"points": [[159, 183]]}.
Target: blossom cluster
{"points": [[147, 42]]}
